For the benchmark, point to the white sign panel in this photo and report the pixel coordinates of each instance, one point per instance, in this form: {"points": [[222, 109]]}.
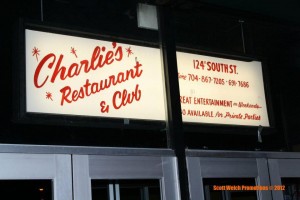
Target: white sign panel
{"points": [[80, 76], [221, 91]]}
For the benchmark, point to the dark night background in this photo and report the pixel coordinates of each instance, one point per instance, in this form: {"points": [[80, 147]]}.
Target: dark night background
{"points": [[271, 31]]}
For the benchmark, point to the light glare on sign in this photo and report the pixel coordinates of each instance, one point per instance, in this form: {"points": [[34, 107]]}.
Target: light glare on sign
{"points": [[88, 77], [221, 91]]}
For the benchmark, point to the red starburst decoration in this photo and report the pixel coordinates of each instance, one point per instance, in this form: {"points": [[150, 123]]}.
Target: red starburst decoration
{"points": [[36, 53], [73, 51], [129, 51], [49, 95]]}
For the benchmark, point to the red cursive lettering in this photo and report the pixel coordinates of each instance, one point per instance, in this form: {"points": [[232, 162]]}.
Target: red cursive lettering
{"points": [[123, 98], [88, 88], [100, 57]]}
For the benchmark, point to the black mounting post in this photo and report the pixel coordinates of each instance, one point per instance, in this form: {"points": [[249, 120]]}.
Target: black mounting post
{"points": [[175, 133], [242, 35]]}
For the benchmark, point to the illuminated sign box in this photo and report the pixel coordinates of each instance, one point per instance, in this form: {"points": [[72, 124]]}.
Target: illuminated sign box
{"points": [[216, 90], [78, 76]]}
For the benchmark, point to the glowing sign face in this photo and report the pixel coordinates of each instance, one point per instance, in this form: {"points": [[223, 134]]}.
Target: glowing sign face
{"points": [[221, 91], [80, 76]]}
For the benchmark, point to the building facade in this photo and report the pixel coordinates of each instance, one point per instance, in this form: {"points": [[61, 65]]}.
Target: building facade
{"points": [[148, 100]]}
